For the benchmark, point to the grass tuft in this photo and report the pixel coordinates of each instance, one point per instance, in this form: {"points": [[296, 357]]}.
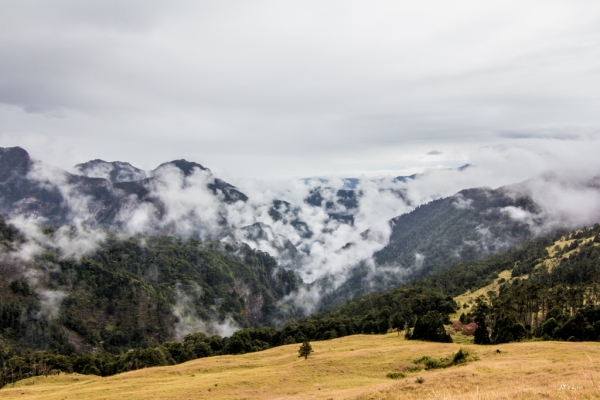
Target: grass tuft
{"points": [[395, 375]]}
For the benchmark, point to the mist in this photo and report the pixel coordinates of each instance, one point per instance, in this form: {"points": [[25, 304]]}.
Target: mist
{"points": [[310, 225]]}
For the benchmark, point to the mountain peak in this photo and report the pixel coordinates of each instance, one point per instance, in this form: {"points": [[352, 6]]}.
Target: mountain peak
{"points": [[115, 171], [13, 160], [187, 167]]}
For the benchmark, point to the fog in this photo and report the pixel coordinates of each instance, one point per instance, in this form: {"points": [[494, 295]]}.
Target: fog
{"points": [[308, 236]]}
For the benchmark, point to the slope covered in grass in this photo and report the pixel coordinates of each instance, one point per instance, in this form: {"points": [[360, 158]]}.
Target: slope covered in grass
{"points": [[354, 367]]}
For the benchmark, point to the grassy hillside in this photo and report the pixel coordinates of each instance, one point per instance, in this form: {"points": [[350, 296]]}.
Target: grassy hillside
{"points": [[353, 367], [552, 293]]}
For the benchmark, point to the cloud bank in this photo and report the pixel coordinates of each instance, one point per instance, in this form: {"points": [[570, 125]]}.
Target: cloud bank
{"points": [[268, 90]]}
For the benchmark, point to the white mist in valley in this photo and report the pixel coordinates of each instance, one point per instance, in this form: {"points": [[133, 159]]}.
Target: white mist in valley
{"points": [[307, 225]]}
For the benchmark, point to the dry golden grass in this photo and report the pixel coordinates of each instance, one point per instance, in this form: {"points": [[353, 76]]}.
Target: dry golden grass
{"points": [[469, 297], [353, 367]]}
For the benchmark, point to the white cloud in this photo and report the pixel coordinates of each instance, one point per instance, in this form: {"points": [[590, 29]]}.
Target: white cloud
{"points": [[271, 89]]}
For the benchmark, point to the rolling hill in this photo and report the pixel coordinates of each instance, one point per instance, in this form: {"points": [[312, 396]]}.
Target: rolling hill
{"points": [[354, 367]]}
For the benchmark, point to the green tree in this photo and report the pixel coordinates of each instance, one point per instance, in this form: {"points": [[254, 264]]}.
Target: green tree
{"points": [[481, 333], [482, 310], [430, 327], [305, 350]]}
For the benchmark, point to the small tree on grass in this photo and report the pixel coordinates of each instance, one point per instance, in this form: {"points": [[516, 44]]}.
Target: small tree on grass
{"points": [[305, 350]]}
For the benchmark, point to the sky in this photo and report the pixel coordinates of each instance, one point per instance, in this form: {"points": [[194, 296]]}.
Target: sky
{"points": [[271, 89]]}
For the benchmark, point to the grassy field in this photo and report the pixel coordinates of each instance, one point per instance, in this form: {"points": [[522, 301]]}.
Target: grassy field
{"points": [[353, 367]]}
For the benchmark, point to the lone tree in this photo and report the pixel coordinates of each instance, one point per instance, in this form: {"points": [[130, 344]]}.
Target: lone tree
{"points": [[305, 350]]}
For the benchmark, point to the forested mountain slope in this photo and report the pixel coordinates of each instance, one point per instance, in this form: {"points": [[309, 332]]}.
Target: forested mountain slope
{"points": [[471, 225], [346, 238], [134, 292]]}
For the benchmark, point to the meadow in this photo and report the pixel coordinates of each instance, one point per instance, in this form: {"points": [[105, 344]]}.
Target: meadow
{"points": [[353, 367]]}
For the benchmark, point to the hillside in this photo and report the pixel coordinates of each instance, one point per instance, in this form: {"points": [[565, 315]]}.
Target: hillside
{"points": [[473, 224], [560, 303], [354, 367], [132, 292], [548, 289]]}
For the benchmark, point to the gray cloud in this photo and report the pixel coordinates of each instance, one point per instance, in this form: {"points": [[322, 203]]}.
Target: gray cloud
{"points": [[539, 135], [244, 87]]}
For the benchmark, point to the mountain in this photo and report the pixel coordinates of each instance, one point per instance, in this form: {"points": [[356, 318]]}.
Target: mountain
{"points": [[101, 196], [132, 292], [473, 224], [187, 167], [340, 205], [30, 189], [260, 235], [344, 237], [116, 171]]}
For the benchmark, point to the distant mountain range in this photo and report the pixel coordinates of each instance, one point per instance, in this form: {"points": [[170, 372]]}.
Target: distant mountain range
{"points": [[333, 235]]}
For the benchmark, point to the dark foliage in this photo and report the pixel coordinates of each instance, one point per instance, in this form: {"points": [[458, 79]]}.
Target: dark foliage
{"points": [[430, 327], [562, 303]]}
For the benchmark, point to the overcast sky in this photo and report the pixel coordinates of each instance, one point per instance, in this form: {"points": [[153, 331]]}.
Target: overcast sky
{"points": [[280, 89]]}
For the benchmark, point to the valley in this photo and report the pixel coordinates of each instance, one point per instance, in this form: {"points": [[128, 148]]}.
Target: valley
{"points": [[119, 272]]}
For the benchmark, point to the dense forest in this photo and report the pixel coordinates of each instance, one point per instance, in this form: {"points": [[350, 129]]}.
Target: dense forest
{"points": [[134, 292]]}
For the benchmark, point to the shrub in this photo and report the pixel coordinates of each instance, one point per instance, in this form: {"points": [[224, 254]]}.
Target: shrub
{"points": [[432, 362], [469, 329], [395, 375], [462, 356]]}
